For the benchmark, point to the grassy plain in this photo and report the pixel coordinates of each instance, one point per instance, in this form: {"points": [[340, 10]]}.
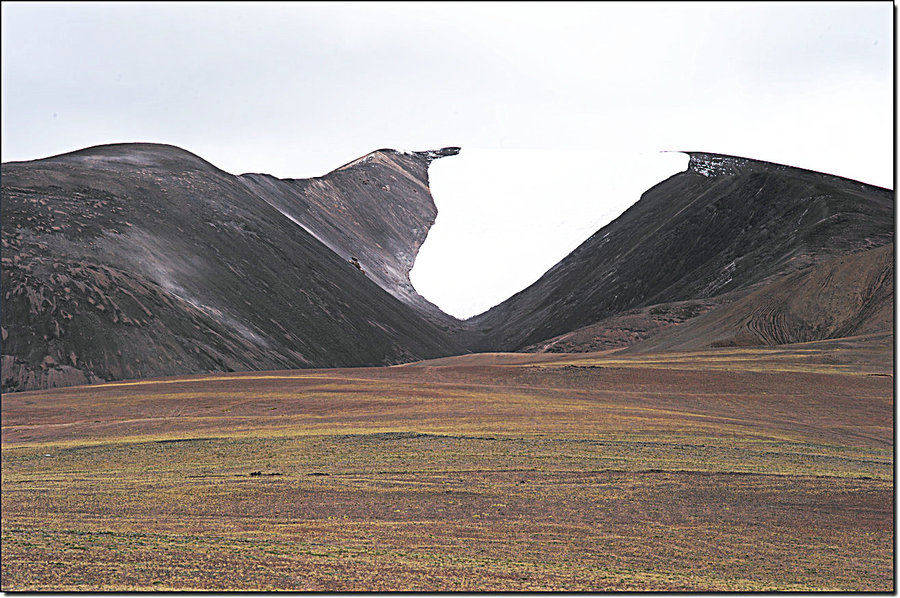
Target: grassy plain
{"points": [[730, 469]]}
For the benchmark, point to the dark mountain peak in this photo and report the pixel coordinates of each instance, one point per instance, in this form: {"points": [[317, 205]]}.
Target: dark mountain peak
{"points": [[155, 155]]}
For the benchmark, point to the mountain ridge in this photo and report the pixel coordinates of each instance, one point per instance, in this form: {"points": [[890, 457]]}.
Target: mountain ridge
{"points": [[139, 260], [716, 164], [384, 225]]}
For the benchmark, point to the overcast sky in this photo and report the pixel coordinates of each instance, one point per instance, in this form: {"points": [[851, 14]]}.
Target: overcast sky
{"points": [[297, 89]]}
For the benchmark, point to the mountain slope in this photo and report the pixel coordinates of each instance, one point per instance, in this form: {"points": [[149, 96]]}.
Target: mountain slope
{"points": [[722, 226], [139, 260], [852, 295], [376, 210]]}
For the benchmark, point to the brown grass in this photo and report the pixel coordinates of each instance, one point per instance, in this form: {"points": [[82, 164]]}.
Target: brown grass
{"points": [[727, 470]]}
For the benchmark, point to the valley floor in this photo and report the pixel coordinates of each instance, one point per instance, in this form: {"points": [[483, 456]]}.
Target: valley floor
{"points": [[728, 469]]}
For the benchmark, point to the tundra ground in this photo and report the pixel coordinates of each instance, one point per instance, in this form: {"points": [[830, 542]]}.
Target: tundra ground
{"points": [[729, 469]]}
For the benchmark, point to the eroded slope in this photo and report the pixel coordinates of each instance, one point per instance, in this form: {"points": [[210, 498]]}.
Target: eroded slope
{"points": [[847, 296]]}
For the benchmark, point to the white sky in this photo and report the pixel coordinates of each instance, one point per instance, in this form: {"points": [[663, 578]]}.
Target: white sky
{"points": [[507, 216], [297, 89]]}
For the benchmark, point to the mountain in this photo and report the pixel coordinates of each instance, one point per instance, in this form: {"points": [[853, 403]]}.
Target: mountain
{"points": [[143, 260], [709, 235], [376, 210]]}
